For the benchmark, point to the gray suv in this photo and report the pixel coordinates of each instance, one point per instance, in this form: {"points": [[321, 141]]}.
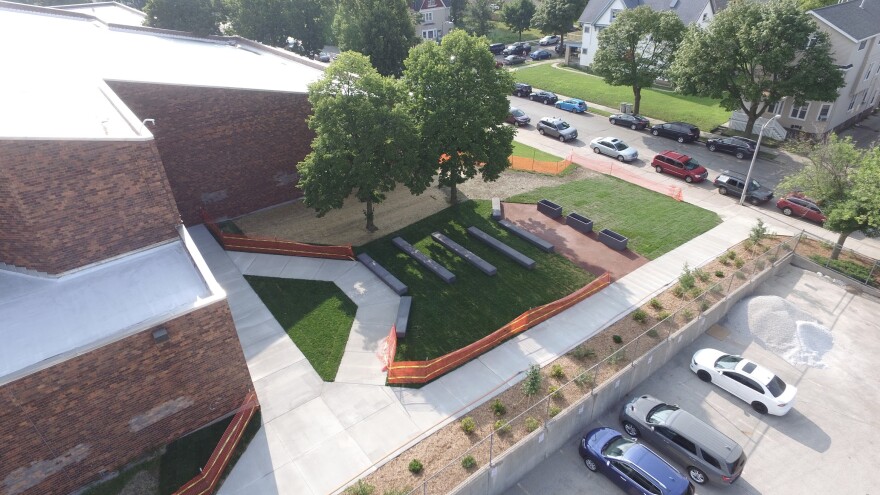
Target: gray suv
{"points": [[729, 182], [558, 128], [706, 453]]}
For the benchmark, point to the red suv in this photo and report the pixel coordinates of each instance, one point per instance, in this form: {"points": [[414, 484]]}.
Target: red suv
{"points": [[797, 206], [679, 165]]}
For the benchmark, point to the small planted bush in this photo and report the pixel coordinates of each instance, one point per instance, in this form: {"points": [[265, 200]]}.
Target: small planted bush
{"points": [[415, 466], [554, 392], [694, 292], [585, 379], [686, 279], [656, 304], [701, 275], [652, 333], [360, 488], [557, 372], [619, 356], [583, 352], [739, 262], [532, 383], [554, 410], [687, 314], [532, 424], [640, 315], [740, 275], [502, 427], [725, 261], [617, 339], [468, 425], [498, 407], [468, 462], [759, 232], [759, 264], [678, 291], [662, 315], [704, 305], [719, 273]]}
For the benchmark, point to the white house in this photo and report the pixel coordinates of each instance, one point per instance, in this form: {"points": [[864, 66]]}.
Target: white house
{"points": [[434, 17]]}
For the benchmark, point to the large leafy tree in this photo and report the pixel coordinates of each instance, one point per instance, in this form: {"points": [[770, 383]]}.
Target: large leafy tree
{"points": [[460, 101], [201, 17], [557, 16], [806, 5], [456, 10], [383, 30], [754, 54], [365, 142], [637, 48], [478, 17], [273, 21], [518, 15]]}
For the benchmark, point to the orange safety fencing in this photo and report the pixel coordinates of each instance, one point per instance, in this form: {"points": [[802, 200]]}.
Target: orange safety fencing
{"points": [[241, 242], [388, 348], [206, 481], [525, 163], [613, 168], [425, 371]]}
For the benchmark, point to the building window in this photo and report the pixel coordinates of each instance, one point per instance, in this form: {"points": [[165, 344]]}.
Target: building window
{"points": [[823, 112], [862, 45], [705, 16], [799, 113], [811, 41], [428, 17], [428, 35], [875, 96], [432, 3], [586, 29], [868, 73], [776, 109], [852, 102], [614, 13]]}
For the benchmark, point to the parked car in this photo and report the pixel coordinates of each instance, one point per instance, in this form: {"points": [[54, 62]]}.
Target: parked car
{"points": [[323, 57], [756, 385], [614, 147], [706, 453], [558, 128], [572, 105], [517, 117], [518, 48], [797, 206], [549, 40], [632, 121], [679, 165], [560, 48], [540, 55], [544, 97], [736, 146], [680, 131], [522, 89], [732, 182], [514, 60], [496, 48], [634, 468]]}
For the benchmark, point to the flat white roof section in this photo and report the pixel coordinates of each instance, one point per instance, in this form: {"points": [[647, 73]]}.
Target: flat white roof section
{"points": [[44, 319], [109, 12]]}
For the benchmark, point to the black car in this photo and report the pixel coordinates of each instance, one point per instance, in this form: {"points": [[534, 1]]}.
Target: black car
{"points": [[629, 120], [496, 48], [736, 146], [680, 131], [518, 48], [729, 182], [544, 97], [514, 60], [522, 89]]}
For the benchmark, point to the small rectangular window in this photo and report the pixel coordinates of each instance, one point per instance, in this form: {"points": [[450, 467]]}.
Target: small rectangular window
{"points": [[862, 45], [823, 112], [711, 460], [852, 102], [429, 16], [868, 72], [614, 13], [586, 29], [800, 112]]}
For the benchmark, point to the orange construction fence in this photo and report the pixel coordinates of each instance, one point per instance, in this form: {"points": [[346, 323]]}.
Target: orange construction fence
{"points": [[524, 163], [206, 481], [425, 371], [613, 168], [240, 242]]}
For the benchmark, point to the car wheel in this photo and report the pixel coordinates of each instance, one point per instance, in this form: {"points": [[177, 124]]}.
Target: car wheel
{"points": [[722, 191], [540, 131], [531, 97], [633, 127], [591, 464], [698, 476], [631, 429], [596, 150], [613, 122], [753, 201], [655, 132], [561, 138], [786, 211], [680, 139], [712, 147], [688, 179], [659, 169], [546, 102], [517, 124], [740, 155], [705, 376], [759, 407], [620, 158], [572, 110]]}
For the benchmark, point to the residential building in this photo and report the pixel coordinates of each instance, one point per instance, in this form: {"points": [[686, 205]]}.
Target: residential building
{"points": [[434, 20]]}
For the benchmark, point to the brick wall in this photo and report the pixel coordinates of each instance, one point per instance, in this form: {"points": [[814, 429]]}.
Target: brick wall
{"points": [[60, 427], [232, 150], [65, 204]]}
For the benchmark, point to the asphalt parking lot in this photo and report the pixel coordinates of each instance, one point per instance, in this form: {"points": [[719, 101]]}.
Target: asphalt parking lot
{"points": [[827, 444]]}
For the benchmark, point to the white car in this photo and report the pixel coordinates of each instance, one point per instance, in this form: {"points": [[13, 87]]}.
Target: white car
{"points": [[614, 147], [756, 385]]}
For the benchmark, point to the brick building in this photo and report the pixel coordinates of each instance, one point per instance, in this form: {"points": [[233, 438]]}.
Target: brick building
{"points": [[116, 338]]}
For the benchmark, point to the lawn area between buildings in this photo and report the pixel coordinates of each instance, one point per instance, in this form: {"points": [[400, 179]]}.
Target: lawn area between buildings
{"points": [[500, 33], [655, 224], [316, 315], [526, 151], [666, 106]]}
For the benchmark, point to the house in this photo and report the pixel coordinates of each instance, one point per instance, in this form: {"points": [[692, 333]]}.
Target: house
{"points": [[433, 18], [599, 14], [116, 337]]}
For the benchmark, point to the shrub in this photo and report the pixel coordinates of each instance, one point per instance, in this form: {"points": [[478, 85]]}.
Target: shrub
{"points": [[759, 232], [704, 305], [415, 466], [847, 267], [360, 488], [583, 352], [739, 262], [468, 425], [652, 333], [785, 246], [701, 275], [687, 314], [498, 408], [656, 304], [695, 292], [716, 289], [678, 291], [740, 275], [686, 279], [532, 384], [759, 264], [619, 356], [532, 424], [585, 379], [554, 392], [749, 244], [468, 462], [554, 410], [502, 427], [772, 258], [719, 273], [640, 315], [662, 315], [731, 255], [725, 261], [617, 339], [557, 372]]}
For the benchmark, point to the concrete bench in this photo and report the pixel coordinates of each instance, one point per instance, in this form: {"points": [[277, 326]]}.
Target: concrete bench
{"points": [[579, 222], [431, 265], [502, 248], [481, 264], [390, 280], [496, 208], [527, 236], [549, 208], [612, 239], [402, 316]]}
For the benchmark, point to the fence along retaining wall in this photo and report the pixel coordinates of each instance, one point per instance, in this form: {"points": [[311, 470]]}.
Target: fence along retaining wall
{"points": [[521, 458]]}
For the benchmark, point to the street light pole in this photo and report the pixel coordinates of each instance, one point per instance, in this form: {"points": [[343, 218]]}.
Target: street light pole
{"points": [[755, 156]]}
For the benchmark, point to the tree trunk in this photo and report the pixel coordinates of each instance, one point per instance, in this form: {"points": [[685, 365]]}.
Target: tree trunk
{"points": [[371, 227], [837, 247], [520, 34], [752, 114], [453, 193], [637, 98]]}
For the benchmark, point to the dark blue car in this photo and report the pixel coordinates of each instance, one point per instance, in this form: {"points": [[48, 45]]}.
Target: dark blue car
{"points": [[630, 465]]}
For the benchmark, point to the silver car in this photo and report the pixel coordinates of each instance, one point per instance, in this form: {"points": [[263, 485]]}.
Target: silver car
{"points": [[558, 128], [614, 147]]}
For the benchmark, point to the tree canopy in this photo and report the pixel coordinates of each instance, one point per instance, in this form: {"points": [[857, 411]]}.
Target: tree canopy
{"points": [[460, 101], [754, 54], [200, 17], [557, 16], [383, 30], [518, 15], [273, 21], [365, 142], [637, 48], [477, 15]]}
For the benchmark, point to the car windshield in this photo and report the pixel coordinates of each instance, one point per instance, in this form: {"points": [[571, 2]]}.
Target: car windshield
{"points": [[617, 447], [660, 413], [562, 126], [727, 362], [754, 185], [691, 164], [620, 146], [516, 112], [776, 386]]}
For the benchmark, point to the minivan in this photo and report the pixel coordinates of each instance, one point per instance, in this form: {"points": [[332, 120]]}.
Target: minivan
{"points": [[680, 131], [706, 453], [681, 166]]}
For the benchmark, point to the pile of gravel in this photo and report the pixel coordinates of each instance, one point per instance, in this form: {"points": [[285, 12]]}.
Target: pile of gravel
{"points": [[782, 328]]}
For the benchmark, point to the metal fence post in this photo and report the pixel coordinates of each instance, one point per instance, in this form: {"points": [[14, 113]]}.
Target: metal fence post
{"points": [[871, 275], [491, 445]]}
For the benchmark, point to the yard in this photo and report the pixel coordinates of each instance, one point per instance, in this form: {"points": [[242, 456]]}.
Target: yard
{"points": [[526, 151]]}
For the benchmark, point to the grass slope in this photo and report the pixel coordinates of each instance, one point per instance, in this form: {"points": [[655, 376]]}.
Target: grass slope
{"points": [[316, 315], [655, 224], [527, 151], [447, 317]]}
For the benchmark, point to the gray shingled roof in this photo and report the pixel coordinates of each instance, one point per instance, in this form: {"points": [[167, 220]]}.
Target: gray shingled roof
{"points": [[688, 10], [859, 19]]}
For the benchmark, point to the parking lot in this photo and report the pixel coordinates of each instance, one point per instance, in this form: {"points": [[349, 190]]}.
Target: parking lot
{"points": [[825, 445]]}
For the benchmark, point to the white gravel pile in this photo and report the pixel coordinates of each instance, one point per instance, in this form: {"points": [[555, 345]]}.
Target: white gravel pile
{"points": [[782, 328]]}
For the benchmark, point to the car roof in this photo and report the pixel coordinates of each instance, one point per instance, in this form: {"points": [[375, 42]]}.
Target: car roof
{"points": [[716, 443], [735, 175], [755, 371], [675, 155], [552, 119], [652, 464]]}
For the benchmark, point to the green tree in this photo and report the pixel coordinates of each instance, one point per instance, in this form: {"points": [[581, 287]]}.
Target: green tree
{"points": [[365, 142], [200, 17], [460, 102], [273, 21], [477, 17], [557, 16], [383, 30], [806, 5], [518, 15], [753, 54], [456, 10], [637, 48]]}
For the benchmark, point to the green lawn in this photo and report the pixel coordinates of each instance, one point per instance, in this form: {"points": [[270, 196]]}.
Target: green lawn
{"points": [[500, 33], [655, 224], [656, 104], [447, 317], [316, 315], [527, 151]]}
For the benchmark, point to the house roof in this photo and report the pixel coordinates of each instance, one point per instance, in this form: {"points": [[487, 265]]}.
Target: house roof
{"points": [[109, 12], [858, 19], [688, 10], [419, 5]]}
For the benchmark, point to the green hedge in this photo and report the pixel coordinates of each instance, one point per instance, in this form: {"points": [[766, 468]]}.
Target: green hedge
{"points": [[849, 268]]}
